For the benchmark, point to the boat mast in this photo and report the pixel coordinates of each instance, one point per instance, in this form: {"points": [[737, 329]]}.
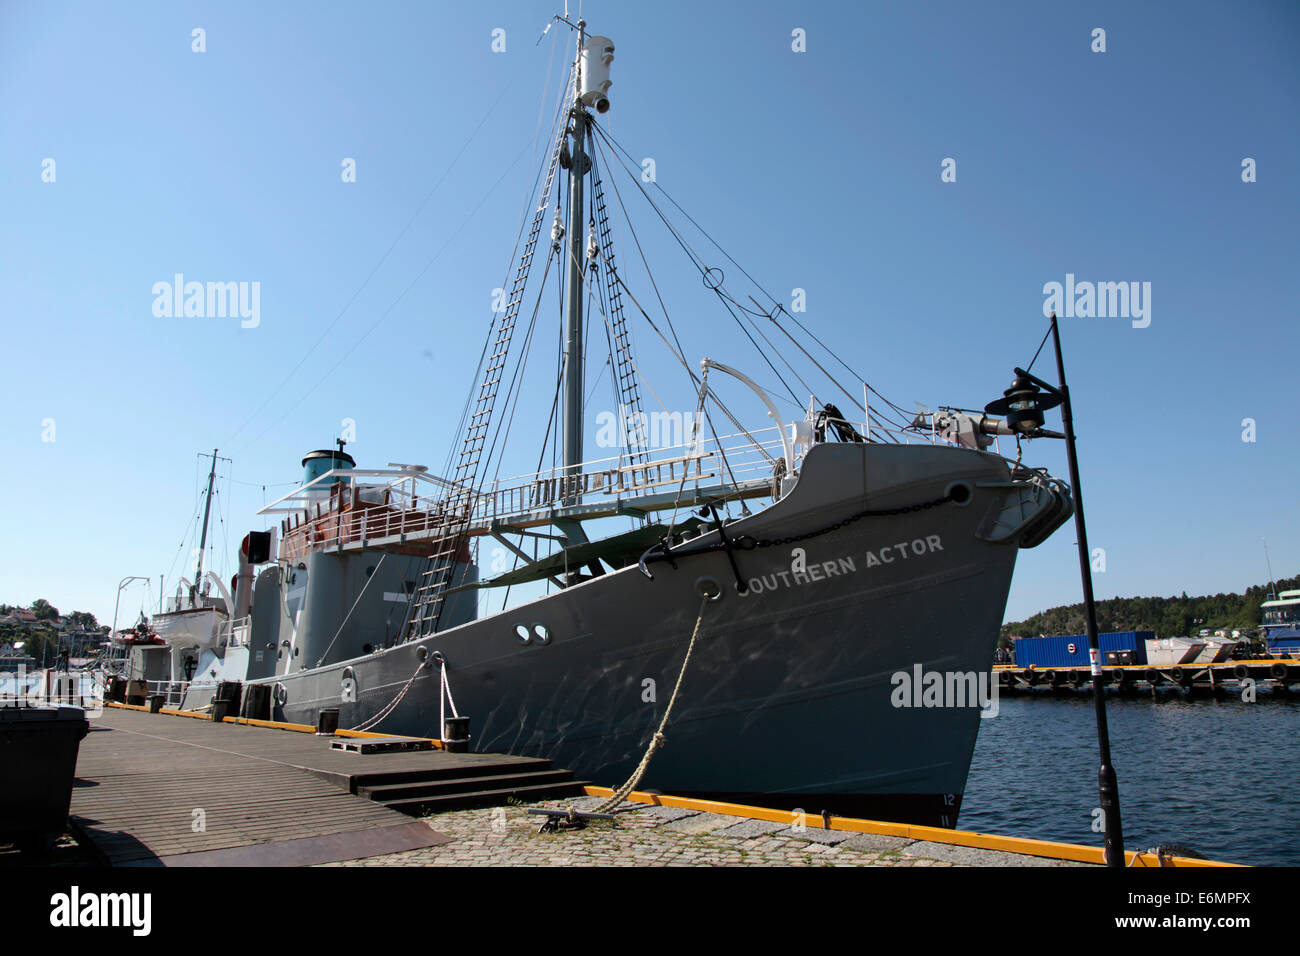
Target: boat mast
{"points": [[1271, 579], [203, 541], [578, 166]]}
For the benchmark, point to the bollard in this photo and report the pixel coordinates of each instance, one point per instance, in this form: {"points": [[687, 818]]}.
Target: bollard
{"points": [[155, 703], [455, 734], [327, 722]]}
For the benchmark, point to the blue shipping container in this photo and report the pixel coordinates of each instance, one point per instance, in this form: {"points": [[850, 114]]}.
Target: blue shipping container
{"points": [[1055, 651]]}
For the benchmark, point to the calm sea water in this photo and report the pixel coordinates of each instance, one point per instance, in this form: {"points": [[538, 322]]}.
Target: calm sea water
{"points": [[1219, 776]]}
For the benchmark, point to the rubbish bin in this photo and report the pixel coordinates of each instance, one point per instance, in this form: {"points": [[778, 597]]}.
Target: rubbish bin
{"points": [[38, 749]]}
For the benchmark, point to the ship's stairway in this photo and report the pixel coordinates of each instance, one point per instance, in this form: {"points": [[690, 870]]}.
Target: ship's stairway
{"points": [[435, 789]]}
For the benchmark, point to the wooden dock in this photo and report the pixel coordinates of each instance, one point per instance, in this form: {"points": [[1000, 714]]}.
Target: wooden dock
{"points": [[154, 789], [1218, 678]]}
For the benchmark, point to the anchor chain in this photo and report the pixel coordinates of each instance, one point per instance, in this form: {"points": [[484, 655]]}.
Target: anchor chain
{"points": [[745, 542]]}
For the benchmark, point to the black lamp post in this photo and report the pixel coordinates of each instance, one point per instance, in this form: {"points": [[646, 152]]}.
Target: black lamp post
{"points": [[1023, 405]]}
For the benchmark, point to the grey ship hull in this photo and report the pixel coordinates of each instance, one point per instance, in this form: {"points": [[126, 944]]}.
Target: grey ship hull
{"points": [[789, 699]]}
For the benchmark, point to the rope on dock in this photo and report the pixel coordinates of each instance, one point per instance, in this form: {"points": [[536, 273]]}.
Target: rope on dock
{"points": [[658, 740]]}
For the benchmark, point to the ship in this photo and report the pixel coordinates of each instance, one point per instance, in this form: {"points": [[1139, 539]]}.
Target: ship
{"points": [[1280, 623], [768, 582]]}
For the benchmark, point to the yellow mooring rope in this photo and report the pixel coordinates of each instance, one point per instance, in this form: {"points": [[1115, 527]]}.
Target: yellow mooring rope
{"points": [[658, 739]]}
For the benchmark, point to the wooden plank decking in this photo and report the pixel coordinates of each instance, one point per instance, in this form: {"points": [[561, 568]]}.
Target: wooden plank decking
{"points": [[154, 789]]}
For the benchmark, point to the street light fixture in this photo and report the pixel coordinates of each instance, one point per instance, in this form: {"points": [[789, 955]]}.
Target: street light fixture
{"points": [[1023, 405]]}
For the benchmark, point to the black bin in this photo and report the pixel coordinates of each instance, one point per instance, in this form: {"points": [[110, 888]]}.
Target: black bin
{"points": [[38, 749]]}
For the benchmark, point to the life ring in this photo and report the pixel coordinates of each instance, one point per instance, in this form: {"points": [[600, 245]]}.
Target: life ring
{"points": [[281, 694]]}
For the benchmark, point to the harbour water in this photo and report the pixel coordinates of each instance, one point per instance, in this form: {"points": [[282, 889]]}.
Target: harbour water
{"points": [[1219, 776]]}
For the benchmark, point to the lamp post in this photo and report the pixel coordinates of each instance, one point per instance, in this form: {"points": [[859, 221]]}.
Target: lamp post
{"points": [[1023, 405], [121, 584]]}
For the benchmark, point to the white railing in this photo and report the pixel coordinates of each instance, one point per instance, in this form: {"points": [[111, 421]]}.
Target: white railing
{"points": [[172, 691], [356, 513], [235, 633], [350, 512]]}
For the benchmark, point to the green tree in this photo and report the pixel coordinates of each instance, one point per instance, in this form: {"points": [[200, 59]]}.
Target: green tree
{"points": [[83, 620], [42, 646], [44, 610]]}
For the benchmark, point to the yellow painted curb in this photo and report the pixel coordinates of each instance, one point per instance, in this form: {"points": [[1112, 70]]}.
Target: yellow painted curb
{"points": [[983, 841]]}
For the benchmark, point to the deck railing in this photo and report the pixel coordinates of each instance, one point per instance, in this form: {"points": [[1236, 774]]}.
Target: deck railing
{"points": [[351, 513], [356, 514]]}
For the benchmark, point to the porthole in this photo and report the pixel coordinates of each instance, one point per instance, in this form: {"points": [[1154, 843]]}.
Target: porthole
{"points": [[540, 634], [523, 634]]}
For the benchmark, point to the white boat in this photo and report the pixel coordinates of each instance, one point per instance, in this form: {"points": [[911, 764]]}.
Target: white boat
{"points": [[1170, 651]]}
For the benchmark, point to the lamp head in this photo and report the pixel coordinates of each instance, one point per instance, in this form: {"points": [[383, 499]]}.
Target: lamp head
{"points": [[1023, 405]]}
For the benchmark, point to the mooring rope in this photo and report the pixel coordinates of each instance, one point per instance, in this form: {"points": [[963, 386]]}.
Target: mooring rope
{"points": [[391, 705], [444, 696], [658, 740]]}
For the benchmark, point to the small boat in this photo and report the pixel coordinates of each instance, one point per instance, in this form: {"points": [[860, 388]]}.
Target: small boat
{"points": [[1170, 651]]}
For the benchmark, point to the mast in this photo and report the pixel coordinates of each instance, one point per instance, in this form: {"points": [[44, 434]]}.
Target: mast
{"points": [[203, 541], [578, 166], [1271, 579]]}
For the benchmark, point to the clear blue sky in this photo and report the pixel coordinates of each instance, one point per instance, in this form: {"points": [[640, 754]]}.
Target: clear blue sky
{"points": [[818, 170]]}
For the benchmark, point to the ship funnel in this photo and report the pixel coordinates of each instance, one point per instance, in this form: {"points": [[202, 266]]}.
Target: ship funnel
{"points": [[597, 55], [318, 462]]}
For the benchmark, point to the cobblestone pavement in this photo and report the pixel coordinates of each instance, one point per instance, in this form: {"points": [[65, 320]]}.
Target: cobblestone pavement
{"points": [[666, 836]]}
